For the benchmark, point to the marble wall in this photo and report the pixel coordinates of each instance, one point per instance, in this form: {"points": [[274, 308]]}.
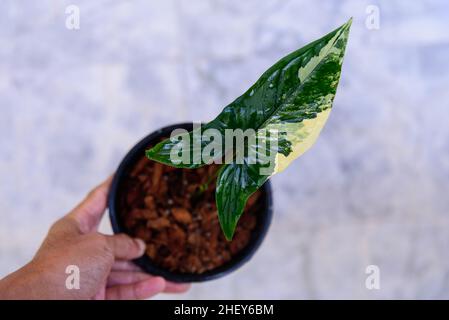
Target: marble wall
{"points": [[374, 190]]}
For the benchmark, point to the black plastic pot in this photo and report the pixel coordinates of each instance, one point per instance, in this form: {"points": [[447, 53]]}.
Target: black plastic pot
{"points": [[257, 236]]}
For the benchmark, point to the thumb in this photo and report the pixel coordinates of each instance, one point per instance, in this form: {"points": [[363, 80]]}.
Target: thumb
{"points": [[89, 212], [126, 248]]}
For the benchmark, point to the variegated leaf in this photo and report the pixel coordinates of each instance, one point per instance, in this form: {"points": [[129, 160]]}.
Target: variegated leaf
{"points": [[291, 102]]}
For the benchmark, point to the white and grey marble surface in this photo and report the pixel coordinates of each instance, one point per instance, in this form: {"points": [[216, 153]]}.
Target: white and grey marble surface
{"points": [[374, 190]]}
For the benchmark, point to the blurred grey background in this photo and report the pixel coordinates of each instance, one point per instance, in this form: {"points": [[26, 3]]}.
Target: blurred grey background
{"points": [[374, 190]]}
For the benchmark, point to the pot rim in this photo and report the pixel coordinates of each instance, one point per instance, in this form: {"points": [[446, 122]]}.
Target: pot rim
{"points": [[257, 235]]}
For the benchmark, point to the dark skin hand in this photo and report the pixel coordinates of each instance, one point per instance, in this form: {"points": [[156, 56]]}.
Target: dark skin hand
{"points": [[106, 271]]}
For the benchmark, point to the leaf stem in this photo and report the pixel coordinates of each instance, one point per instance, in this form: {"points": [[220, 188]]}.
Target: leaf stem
{"points": [[203, 187]]}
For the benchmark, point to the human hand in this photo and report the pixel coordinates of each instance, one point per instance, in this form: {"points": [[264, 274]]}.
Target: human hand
{"points": [[106, 271]]}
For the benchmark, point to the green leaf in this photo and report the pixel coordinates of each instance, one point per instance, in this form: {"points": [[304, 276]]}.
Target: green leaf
{"points": [[286, 109], [234, 186]]}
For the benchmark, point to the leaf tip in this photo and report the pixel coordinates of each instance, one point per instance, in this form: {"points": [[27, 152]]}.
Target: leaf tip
{"points": [[229, 235], [348, 23]]}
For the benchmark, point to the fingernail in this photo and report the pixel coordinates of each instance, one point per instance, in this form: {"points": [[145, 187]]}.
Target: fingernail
{"points": [[141, 244]]}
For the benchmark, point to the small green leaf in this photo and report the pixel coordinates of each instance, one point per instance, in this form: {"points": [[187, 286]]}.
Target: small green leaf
{"points": [[293, 98]]}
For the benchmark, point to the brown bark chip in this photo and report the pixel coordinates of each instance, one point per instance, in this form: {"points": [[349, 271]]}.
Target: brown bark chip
{"points": [[162, 206], [182, 215]]}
